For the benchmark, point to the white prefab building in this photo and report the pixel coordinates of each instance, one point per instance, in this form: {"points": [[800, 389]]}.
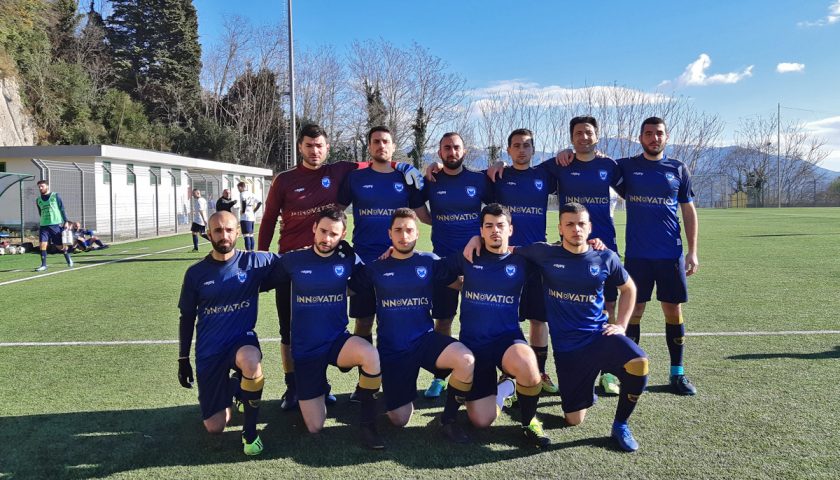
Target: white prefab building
{"points": [[121, 192]]}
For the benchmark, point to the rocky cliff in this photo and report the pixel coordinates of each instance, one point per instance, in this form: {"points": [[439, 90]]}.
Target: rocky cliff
{"points": [[16, 126]]}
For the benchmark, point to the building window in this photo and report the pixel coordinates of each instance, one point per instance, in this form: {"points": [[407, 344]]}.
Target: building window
{"points": [[2, 166], [176, 177], [130, 177], [230, 181], [154, 175], [106, 172]]}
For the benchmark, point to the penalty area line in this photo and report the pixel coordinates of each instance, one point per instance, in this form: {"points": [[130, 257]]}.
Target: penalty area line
{"points": [[277, 339], [75, 269]]}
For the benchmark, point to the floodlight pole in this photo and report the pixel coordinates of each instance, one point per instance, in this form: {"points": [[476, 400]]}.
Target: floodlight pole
{"points": [[293, 122], [779, 153]]}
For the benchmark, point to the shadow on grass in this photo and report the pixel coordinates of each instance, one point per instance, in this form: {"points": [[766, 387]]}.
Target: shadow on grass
{"points": [[98, 444], [803, 356]]}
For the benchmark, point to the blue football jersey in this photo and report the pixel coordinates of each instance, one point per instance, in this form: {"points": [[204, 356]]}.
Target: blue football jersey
{"points": [[375, 196], [225, 296], [525, 193], [490, 295], [653, 191], [455, 205], [319, 298], [573, 286], [588, 183], [404, 290]]}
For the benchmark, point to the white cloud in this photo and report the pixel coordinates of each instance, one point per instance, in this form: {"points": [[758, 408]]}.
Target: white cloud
{"points": [[786, 67], [695, 75], [549, 95], [828, 129], [832, 17]]}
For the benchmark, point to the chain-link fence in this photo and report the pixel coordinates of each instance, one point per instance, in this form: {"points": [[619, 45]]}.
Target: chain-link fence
{"points": [[124, 201]]}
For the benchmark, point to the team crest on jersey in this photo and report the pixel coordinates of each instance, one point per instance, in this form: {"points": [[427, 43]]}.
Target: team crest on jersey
{"points": [[471, 191], [421, 272], [669, 175], [339, 270], [398, 187], [510, 270], [241, 276], [325, 182], [602, 174], [594, 270], [538, 184]]}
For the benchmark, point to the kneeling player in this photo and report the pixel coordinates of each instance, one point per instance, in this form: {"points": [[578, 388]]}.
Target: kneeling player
{"points": [[490, 328], [404, 284], [223, 290], [319, 277], [584, 342]]}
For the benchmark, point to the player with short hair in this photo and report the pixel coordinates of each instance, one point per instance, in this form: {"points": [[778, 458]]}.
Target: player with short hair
{"points": [[296, 197], [524, 190], [199, 221], [319, 278], [455, 196], [375, 193], [404, 286], [588, 179], [490, 325], [82, 243], [222, 290], [225, 203], [584, 342], [248, 205], [654, 186], [53, 221]]}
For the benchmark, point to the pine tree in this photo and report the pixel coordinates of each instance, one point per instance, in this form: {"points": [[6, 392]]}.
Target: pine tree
{"points": [[157, 57]]}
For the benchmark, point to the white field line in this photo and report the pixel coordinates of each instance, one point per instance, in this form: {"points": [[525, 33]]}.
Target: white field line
{"points": [[75, 269], [277, 339]]}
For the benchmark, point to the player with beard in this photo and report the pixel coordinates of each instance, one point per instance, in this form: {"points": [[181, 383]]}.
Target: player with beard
{"points": [[404, 284], [222, 290], [296, 197], [455, 196], [376, 193], [584, 342], [319, 276]]}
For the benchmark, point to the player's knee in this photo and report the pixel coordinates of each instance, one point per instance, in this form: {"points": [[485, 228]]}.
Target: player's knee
{"points": [[398, 419], [638, 367], [215, 425], [530, 378], [574, 420], [482, 420], [314, 428]]}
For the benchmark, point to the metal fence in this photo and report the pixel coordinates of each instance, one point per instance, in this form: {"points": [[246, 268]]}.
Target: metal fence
{"points": [[153, 202]]}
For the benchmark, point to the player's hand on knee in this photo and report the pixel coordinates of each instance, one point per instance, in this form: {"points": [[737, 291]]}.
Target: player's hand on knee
{"points": [[612, 329], [185, 373]]}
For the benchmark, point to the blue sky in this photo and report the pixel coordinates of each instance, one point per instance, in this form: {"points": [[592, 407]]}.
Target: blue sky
{"points": [[727, 56]]}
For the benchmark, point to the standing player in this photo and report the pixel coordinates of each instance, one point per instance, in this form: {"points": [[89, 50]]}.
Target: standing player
{"points": [[375, 193], [319, 277], [223, 291], [225, 203], [199, 223], [490, 306], [655, 185], [524, 190], [455, 196], [248, 205], [296, 197], [584, 342], [404, 284], [587, 180], [53, 219]]}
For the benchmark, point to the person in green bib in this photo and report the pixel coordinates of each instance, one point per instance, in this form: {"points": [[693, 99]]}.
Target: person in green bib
{"points": [[53, 219]]}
